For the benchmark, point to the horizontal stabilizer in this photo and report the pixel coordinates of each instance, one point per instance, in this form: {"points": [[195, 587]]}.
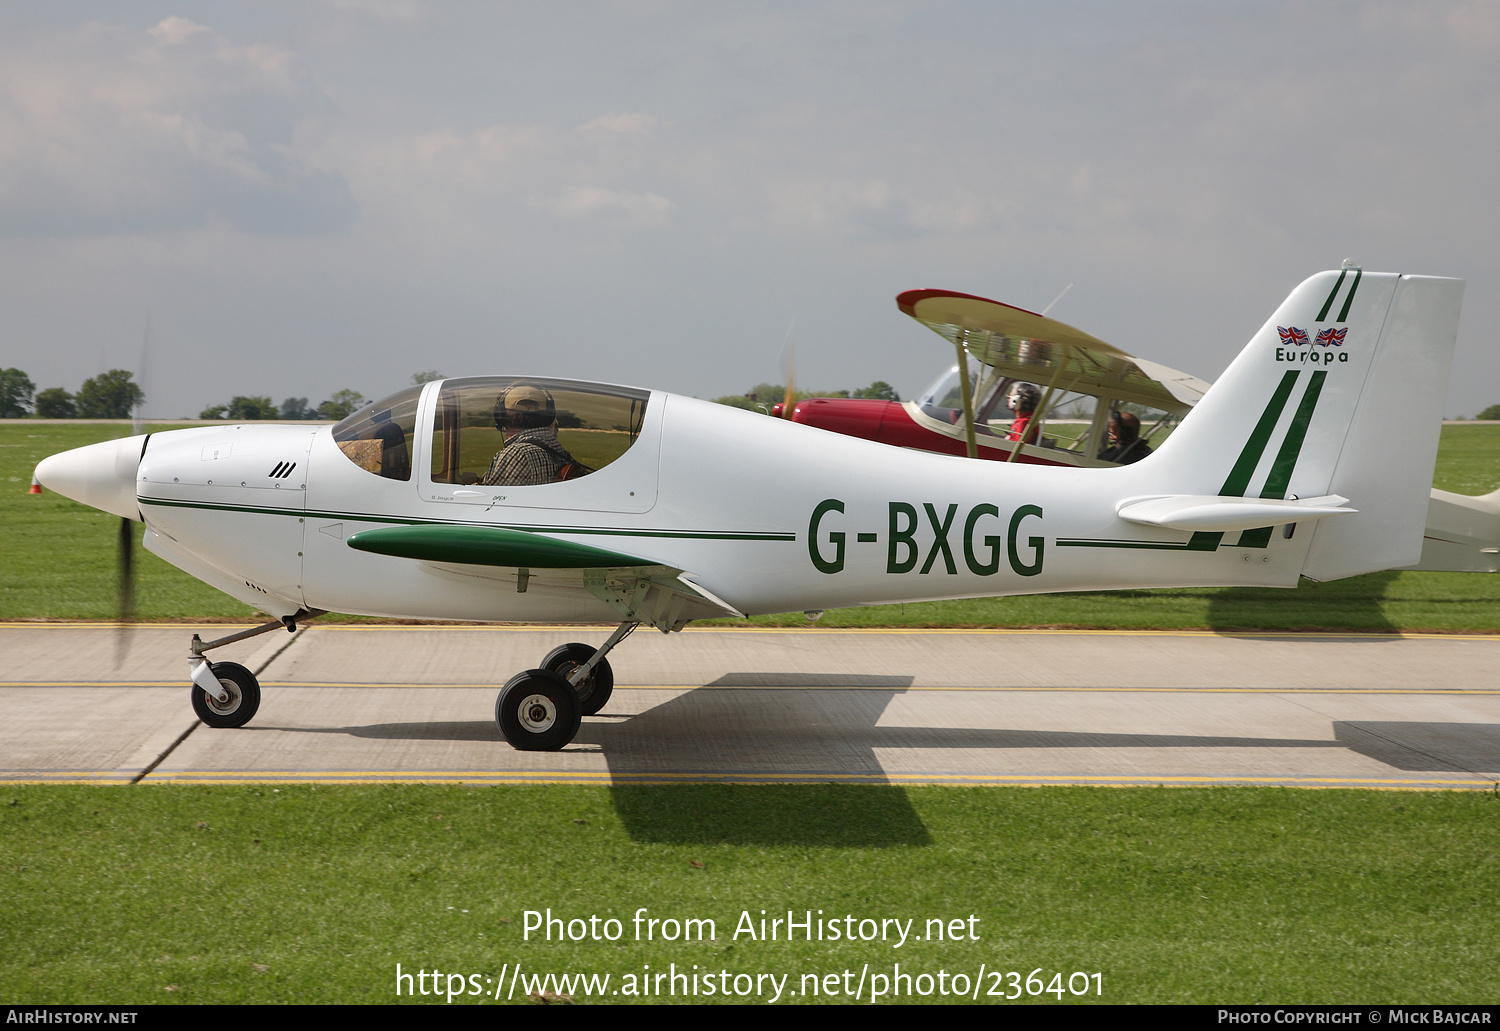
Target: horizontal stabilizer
{"points": [[1215, 514], [1463, 533], [487, 546]]}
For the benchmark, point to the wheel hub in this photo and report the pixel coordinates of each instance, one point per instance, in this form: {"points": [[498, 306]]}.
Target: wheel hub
{"points": [[230, 704], [537, 713]]}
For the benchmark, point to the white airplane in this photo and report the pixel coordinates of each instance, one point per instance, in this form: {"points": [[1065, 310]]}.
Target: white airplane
{"points": [[660, 509]]}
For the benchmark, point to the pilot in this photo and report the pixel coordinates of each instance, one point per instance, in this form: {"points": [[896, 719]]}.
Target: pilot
{"points": [[1023, 400], [526, 414], [1125, 443]]}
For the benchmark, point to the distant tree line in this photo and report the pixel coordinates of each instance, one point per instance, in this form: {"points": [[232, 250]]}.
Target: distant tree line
{"points": [[244, 409], [113, 395], [340, 406], [764, 395], [109, 395]]}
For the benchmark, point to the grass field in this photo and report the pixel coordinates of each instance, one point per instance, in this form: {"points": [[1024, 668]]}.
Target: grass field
{"points": [[60, 564], [313, 895]]}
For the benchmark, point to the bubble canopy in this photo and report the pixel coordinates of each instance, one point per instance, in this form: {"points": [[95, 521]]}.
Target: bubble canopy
{"points": [[555, 429], [475, 420]]}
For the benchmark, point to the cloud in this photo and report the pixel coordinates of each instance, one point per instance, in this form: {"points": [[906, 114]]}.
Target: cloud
{"points": [[506, 179], [105, 131], [621, 208], [389, 12], [622, 121]]}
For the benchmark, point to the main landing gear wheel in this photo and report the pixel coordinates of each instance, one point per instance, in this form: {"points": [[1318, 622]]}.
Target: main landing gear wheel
{"points": [[593, 690], [244, 697], [538, 711]]}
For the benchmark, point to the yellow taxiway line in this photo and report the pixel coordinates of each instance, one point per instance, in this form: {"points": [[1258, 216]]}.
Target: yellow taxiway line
{"points": [[174, 685], [606, 779], [930, 631]]}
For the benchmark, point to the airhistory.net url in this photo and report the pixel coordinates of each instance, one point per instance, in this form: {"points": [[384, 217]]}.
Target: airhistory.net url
{"points": [[697, 982]]}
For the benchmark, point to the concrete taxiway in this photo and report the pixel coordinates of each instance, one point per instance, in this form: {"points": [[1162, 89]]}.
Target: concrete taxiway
{"points": [[345, 704]]}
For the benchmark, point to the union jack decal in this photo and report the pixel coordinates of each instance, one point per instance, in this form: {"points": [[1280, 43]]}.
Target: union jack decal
{"points": [[1331, 337], [1294, 335]]}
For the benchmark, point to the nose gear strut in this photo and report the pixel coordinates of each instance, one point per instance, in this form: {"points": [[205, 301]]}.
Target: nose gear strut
{"points": [[226, 694]]}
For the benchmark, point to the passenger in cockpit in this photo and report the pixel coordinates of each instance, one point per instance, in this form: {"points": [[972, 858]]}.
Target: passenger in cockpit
{"points": [[527, 415], [1125, 443]]}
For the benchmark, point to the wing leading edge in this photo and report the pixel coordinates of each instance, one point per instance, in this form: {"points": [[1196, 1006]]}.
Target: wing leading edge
{"points": [[636, 589]]}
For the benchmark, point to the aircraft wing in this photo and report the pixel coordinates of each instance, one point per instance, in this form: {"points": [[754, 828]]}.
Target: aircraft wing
{"points": [[636, 589], [1187, 388], [1024, 345]]}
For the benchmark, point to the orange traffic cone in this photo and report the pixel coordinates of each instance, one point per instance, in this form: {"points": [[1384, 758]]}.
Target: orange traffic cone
{"points": [[36, 488]]}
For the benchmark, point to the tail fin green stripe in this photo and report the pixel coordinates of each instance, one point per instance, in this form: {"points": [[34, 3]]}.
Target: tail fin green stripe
{"points": [[1244, 466], [1344, 312], [1331, 295], [1286, 459], [1291, 447]]}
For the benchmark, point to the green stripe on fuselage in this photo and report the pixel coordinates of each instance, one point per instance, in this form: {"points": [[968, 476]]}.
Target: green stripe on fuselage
{"points": [[371, 517]]}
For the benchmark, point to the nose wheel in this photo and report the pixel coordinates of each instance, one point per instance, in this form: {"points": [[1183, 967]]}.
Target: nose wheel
{"points": [[239, 707], [237, 695]]}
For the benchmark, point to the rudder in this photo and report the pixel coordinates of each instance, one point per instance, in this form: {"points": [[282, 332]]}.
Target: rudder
{"points": [[1386, 467]]}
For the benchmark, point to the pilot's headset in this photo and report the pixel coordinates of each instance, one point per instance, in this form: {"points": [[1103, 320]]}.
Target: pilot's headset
{"points": [[524, 406], [1028, 396]]}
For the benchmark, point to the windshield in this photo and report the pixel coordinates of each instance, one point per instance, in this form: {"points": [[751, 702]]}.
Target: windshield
{"points": [[377, 438], [942, 400], [944, 393]]}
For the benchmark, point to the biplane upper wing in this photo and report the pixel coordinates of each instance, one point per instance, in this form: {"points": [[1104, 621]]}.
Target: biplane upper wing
{"points": [[1025, 345], [1184, 386]]}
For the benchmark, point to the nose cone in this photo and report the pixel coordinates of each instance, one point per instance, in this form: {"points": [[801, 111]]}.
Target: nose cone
{"points": [[101, 475]]}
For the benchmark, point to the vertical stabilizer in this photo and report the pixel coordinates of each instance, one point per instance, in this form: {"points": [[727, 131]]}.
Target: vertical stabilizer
{"points": [[1339, 393]]}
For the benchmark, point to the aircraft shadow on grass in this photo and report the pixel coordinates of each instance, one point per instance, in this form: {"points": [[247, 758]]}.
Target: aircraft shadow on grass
{"points": [[781, 727], [1354, 603]]}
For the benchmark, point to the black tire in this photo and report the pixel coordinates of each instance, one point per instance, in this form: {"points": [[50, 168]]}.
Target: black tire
{"points": [[538, 711], [596, 688], [244, 697]]}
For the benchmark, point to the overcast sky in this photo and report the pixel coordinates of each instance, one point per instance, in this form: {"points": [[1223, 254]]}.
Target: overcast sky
{"points": [[315, 196]]}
